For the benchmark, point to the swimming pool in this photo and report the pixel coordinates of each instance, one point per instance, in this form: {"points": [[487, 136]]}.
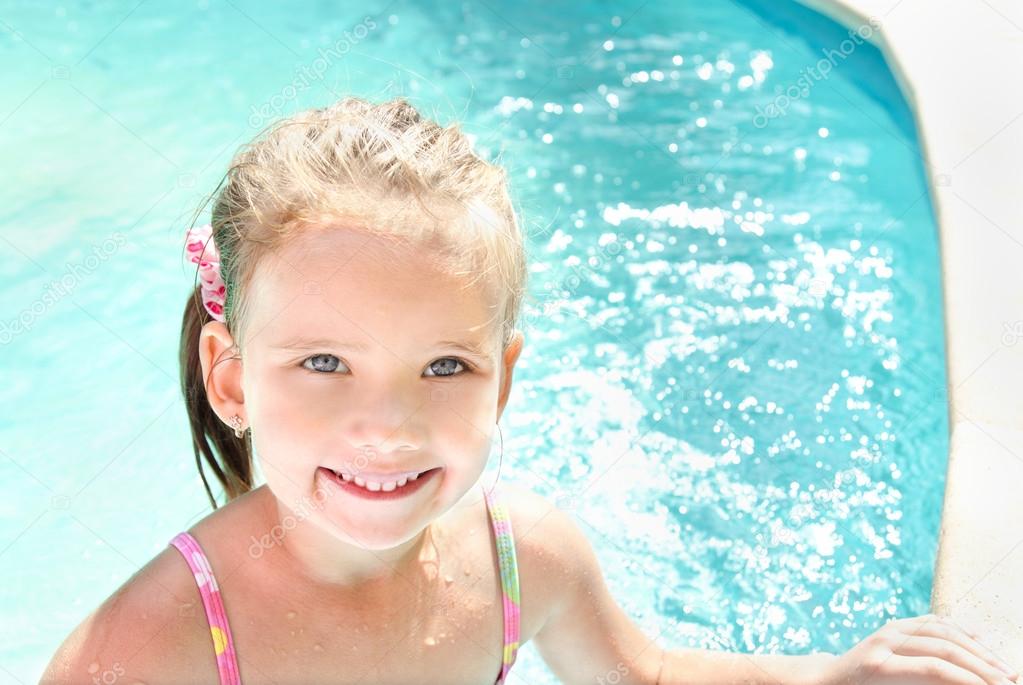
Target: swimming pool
{"points": [[733, 372]]}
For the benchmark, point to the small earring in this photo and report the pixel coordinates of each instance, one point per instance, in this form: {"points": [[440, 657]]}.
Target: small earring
{"points": [[236, 423]]}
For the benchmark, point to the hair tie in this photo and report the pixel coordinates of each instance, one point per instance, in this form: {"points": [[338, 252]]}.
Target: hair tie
{"points": [[203, 251]]}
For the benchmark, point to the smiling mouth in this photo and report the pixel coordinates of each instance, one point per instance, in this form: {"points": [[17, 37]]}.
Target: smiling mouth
{"points": [[397, 483]]}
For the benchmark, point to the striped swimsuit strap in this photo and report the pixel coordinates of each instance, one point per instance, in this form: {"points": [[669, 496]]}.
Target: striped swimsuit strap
{"points": [[501, 524]]}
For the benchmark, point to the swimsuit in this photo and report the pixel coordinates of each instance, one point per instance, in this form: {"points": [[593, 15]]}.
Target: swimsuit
{"points": [[223, 645]]}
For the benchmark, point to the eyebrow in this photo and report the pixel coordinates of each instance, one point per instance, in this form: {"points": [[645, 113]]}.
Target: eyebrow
{"points": [[469, 346]]}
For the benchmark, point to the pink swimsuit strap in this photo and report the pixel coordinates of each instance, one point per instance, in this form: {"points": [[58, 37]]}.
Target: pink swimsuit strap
{"points": [[223, 645]]}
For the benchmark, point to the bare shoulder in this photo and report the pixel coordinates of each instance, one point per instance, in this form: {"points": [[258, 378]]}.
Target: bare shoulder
{"points": [[584, 635], [540, 527], [554, 555], [151, 629]]}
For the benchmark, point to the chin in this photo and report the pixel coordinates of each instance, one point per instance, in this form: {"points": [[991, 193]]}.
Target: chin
{"points": [[373, 540]]}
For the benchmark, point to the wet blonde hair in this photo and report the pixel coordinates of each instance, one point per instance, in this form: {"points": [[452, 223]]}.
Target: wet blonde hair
{"points": [[379, 168]]}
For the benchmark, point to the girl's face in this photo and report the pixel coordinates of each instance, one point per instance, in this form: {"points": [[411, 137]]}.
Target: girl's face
{"points": [[359, 357]]}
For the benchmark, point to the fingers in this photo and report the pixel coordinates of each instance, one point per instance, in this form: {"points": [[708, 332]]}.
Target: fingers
{"points": [[991, 657], [930, 670], [952, 653], [943, 628]]}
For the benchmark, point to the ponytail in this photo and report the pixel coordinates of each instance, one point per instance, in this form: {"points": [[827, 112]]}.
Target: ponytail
{"points": [[234, 469]]}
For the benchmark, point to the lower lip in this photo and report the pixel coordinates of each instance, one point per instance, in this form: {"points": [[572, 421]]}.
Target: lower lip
{"points": [[398, 493]]}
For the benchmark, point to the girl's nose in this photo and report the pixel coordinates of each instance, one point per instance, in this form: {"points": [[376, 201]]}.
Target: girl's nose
{"points": [[386, 450], [384, 430]]}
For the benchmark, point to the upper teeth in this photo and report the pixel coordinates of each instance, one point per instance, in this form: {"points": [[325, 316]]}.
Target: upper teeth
{"points": [[374, 485]]}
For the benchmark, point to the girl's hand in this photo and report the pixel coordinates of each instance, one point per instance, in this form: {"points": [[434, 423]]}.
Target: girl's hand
{"points": [[926, 650]]}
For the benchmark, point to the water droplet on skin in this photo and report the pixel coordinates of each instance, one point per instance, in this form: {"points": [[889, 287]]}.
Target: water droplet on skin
{"points": [[429, 641], [466, 571], [317, 647], [448, 580], [293, 632], [291, 614], [93, 667]]}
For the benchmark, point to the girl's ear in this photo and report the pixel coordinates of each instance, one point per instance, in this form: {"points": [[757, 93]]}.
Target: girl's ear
{"points": [[511, 355], [221, 370]]}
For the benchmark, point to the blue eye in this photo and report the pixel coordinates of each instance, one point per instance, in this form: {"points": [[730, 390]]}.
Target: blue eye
{"points": [[328, 363], [325, 366], [451, 362]]}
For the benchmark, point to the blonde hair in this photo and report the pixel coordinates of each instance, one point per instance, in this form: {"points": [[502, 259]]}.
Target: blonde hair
{"points": [[362, 164]]}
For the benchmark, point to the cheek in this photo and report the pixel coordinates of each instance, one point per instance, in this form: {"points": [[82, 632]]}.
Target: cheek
{"points": [[286, 397], [465, 423], [284, 425], [471, 405], [283, 413]]}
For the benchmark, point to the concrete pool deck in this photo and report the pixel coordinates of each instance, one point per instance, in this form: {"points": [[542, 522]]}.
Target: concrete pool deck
{"points": [[957, 64]]}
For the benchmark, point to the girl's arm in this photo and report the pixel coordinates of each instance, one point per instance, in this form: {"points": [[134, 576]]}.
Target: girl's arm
{"points": [[587, 638], [705, 666]]}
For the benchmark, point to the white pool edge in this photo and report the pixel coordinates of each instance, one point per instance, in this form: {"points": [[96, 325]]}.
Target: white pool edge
{"points": [[955, 63]]}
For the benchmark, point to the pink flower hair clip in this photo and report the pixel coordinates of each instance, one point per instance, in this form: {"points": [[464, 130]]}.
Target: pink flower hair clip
{"points": [[203, 251]]}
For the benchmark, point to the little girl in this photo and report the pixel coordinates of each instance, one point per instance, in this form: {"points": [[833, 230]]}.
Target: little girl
{"points": [[354, 336]]}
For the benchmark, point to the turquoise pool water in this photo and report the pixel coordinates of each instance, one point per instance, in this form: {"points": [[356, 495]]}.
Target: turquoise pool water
{"points": [[733, 372]]}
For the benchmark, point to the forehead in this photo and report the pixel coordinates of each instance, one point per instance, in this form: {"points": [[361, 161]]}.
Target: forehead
{"points": [[347, 284]]}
